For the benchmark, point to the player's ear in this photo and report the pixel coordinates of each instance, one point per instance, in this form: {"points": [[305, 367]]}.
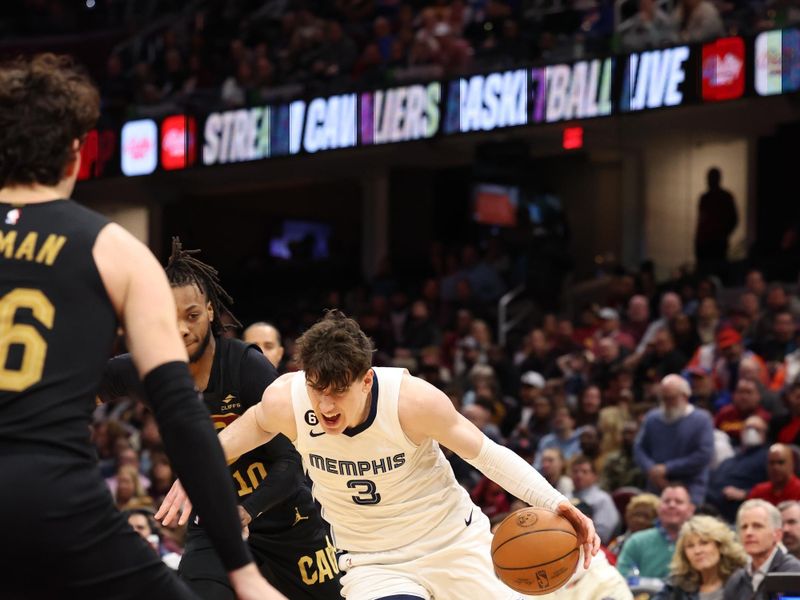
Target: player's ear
{"points": [[367, 381], [210, 310]]}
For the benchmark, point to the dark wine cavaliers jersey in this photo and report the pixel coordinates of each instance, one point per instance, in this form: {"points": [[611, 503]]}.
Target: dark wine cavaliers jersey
{"points": [[239, 375], [57, 326]]}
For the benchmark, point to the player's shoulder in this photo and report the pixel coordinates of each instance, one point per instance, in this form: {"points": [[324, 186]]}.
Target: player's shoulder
{"points": [[418, 398], [281, 387]]}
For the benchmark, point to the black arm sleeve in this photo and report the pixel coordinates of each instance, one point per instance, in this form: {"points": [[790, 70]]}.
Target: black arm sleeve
{"points": [[198, 459], [286, 469]]}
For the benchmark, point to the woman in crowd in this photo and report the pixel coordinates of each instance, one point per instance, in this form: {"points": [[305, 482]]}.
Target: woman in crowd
{"points": [[640, 513], [706, 554]]}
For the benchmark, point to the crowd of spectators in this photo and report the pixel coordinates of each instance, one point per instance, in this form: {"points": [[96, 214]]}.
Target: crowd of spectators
{"points": [[230, 53], [657, 403]]}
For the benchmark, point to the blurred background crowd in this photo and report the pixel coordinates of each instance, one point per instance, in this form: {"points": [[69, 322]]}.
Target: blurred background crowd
{"points": [[204, 54]]}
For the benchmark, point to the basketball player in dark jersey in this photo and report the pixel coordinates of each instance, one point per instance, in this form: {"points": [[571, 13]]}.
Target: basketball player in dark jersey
{"points": [[67, 277], [287, 536]]}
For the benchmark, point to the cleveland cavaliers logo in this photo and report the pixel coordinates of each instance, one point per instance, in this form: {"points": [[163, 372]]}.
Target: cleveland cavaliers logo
{"points": [[527, 518]]}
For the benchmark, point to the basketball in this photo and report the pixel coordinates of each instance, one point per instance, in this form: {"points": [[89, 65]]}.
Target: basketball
{"points": [[535, 551]]}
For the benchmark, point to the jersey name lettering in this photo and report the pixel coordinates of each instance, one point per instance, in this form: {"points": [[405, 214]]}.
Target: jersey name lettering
{"points": [[28, 247], [359, 468]]}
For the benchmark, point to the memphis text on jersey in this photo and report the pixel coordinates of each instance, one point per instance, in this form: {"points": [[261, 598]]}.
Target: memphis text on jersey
{"points": [[357, 468], [29, 248]]}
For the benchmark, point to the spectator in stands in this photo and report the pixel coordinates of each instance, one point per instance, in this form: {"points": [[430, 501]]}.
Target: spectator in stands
{"points": [[490, 497], [781, 341], [755, 284], [790, 517], [554, 470], [676, 441], [604, 511], [142, 522], [479, 413], [610, 328], [564, 436], [539, 357], [531, 418], [236, 88], [685, 334], [758, 524], [698, 21], [731, 352], [420, 329], [669, 306], [782, 483], [704, 394], [746, 402], [588, 406], [651, 550], [660, 359], [609, 359], [706, 555], [638, 317], [620, 468], [708, 318], [786, 429], [732, 480], [590, 447], [649, 28], [130, 492], [641, 513], [267, 337]]}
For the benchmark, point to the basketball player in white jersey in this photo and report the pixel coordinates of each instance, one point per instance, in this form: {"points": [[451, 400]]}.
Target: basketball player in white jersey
{"points": [[369, 438]]}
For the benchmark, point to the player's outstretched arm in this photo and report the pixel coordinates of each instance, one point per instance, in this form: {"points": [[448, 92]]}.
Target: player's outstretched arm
{"points": [[426, 412], [140, 293]]}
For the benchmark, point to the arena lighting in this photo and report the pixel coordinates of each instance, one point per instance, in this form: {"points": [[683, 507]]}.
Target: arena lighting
{"points": [[573, 138]]}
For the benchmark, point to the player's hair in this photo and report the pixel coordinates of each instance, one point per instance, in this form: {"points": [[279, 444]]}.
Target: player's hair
{"points": [[334, 352], [184, 269], [46, 102]]}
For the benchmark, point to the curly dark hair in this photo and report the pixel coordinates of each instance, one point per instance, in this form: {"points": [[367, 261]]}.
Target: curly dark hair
{"points": [[184, 269], [334, 352], [46, 102]]}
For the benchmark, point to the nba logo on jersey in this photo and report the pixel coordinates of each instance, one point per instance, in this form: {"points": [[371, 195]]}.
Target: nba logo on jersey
{"points": [[12, 216]]}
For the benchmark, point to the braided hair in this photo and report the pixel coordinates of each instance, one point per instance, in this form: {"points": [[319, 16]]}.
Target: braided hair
{"points": [[184, 269]]}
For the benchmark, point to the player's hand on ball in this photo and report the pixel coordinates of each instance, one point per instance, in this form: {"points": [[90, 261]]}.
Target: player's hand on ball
{"points": [[584, 527], [176, 502]]}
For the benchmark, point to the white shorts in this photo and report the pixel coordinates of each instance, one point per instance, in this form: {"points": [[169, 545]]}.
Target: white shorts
{"points": [[454, 566]]}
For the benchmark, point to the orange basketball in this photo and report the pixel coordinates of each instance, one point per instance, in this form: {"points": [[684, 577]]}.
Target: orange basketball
{"points": [[535, 551]]}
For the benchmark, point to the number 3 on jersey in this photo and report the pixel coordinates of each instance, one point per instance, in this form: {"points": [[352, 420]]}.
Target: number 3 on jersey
{"points": [[366, 490], [34, 346]]}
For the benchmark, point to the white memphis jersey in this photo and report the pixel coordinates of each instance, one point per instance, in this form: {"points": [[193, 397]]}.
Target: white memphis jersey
{"points": [[378, 490]]}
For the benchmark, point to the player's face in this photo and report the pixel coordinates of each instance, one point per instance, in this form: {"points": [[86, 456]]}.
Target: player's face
{"points": [[194, 319], [337, 411]]}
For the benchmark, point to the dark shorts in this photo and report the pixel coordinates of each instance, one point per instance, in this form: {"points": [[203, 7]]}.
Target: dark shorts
{"points": [[63, 538], [300, 562]]}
